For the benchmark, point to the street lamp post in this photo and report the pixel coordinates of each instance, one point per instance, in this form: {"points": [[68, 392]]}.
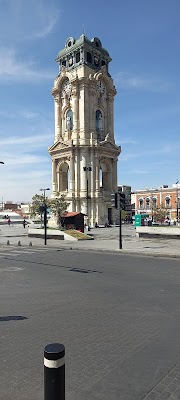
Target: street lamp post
{"points": [[44, 190], [44, 208], [2, 162], [177, 202], [86, 169]]}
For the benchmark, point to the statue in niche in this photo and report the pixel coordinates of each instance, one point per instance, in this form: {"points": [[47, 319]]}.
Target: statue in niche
{"points": [[69, 120], [99, 121], [68, 123]]}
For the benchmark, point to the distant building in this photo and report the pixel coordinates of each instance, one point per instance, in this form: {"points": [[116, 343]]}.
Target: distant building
{"points": [[20, 208], [9, 205], [149, 198], [25, 209]]}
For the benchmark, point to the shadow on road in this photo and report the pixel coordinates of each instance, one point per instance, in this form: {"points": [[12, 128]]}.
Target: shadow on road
{"points": [[12, 318]]}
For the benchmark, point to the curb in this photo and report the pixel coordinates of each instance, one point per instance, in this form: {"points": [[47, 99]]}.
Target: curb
{"points": [[99, 250]]}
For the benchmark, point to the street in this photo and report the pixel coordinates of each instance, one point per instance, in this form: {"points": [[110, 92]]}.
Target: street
{"points": [[117, 315]]}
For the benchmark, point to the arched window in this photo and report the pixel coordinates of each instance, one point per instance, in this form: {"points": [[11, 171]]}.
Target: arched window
{"points": [[104, 176], [167, 201], [99, 121], [63, 184], [147, 202], [69, 120], [140, 203], [154, 201], [89, 58]]}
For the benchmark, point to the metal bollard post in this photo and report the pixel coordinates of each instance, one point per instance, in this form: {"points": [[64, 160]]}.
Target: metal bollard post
{"points": [[54, 372]]}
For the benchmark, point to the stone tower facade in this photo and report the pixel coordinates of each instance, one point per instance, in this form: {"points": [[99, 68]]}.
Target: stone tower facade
{"points": [[84, 154]]}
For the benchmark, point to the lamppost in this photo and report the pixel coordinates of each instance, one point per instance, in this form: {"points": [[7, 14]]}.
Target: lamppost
{"points": [[44, 190], [177, 202], [152, 209], [44, 209], [86, 169], [2, 162]]}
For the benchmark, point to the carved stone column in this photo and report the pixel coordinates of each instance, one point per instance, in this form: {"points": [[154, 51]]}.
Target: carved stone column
{"points": [[97, 173], [54, 176], [83, 174], [58, 180], [76, 108], [72, 173], [92, 119], [58, 117], [93, 173]]}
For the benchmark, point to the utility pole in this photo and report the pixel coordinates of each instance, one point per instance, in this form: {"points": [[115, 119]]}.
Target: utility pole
{"points": [[177, 202], [116, 199], [43, 209], [120, 224]]}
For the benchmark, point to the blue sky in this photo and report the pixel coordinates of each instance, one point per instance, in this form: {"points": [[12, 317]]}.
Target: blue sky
{"points": [[142, 38]]}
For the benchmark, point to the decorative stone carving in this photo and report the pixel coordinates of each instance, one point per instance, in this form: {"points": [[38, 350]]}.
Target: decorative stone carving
{"points": [[99, 121], [57, 98], [63, 70], [104, 70]]}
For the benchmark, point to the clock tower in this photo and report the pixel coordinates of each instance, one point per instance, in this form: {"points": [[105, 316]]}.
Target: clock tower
{"points": [[84, 154]]}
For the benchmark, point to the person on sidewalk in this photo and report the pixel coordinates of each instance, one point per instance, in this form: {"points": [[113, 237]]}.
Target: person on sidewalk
{"points": [[24, 223], [9, 221]]}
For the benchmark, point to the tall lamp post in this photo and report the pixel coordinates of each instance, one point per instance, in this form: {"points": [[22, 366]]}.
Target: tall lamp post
{"points": [[44, 190], [86, 169], [177, 203], [2, 162], [44, 209]]}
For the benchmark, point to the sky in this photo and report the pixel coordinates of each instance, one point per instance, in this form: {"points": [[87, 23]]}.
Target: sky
{"points": [[142, 38]]}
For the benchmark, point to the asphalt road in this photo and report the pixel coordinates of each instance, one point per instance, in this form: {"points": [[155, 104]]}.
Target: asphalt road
{"points": [[118, 317]]}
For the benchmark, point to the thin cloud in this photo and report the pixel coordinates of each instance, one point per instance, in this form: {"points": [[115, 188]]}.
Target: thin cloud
{"points": [[139, 171], [30, 19], [13, 69], [128, 81], [21, 184], [26, 114], [166, 149], [127, 141], [34, 140], [23, 159], [29, 114], [47, 29]]}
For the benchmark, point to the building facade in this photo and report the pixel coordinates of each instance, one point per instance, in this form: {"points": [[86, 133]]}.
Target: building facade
{"points": [[84, 154], [146, 200]]}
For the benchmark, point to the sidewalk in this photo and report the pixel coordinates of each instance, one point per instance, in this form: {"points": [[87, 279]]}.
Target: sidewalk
{"points": [[106, 240]]}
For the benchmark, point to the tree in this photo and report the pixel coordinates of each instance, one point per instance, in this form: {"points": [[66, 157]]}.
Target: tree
{"points": [[59, 206], [37, 201], [159, 213]]}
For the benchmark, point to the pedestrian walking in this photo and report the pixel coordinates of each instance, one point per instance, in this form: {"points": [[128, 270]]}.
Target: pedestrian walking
{"points": [[9, 221], [24, 223]]}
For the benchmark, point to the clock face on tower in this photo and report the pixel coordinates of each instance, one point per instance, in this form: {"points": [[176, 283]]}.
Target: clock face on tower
{"points": [[66, 86], [100, 87]]}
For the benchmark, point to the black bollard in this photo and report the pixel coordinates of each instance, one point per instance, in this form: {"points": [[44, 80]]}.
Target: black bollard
{"points": [[54, 372]]}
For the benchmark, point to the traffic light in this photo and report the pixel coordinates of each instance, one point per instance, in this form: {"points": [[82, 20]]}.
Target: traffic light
{"points": [[122, 200], [114, 199]]}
